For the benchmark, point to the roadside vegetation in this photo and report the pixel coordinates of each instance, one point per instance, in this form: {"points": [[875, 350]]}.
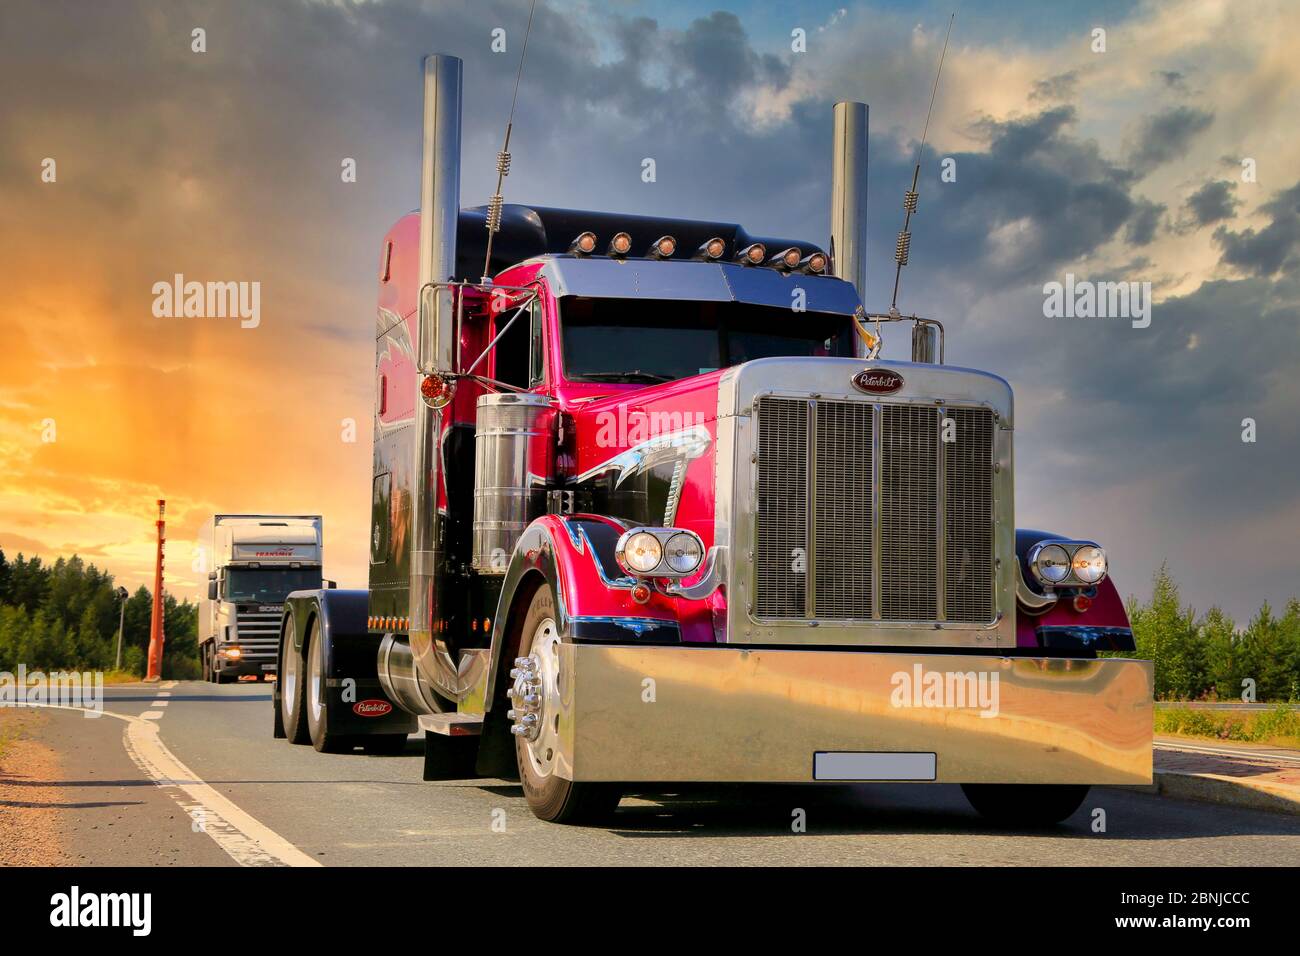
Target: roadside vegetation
{"points": [[1278, 727], [64, 616], [1208, 657]]}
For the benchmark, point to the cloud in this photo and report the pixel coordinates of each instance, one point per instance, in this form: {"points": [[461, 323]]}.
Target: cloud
{"points": [[1165, 135], [1212, 202], [1267, 251], [1062, 86]]}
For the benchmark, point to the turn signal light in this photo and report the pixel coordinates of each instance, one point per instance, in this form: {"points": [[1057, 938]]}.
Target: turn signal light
{"points": [[436, 391]]}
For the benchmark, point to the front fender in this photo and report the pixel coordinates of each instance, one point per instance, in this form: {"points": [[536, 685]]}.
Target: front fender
{"points": [[1056, 624], [574, 554]]}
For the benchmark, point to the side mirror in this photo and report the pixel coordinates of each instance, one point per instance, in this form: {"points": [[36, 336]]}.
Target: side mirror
{"points": [[331, 584], [212, 590]]}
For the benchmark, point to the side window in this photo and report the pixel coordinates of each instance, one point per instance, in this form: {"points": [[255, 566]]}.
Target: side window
{"points": [[536, 366]]}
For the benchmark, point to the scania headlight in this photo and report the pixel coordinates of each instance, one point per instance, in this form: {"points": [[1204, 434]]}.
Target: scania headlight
{"points": [[684, 552], [641, 553], [1050, 564], [1089, 564]]}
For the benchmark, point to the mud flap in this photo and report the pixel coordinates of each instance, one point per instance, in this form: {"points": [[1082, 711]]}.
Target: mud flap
{"points": [[448, 757]]}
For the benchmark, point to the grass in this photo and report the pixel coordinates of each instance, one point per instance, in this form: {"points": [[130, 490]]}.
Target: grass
{"points": [[1279, 727]]}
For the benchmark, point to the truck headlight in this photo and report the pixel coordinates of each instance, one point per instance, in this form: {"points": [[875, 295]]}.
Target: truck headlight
{"points": [[232, 653], [1090, 564], [641, 552], [684, 552], [1051, 564], [659, 552], [1067, 563]]}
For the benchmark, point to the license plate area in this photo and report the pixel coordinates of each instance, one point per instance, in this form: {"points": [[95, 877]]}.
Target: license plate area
{"points": [[850, 765], [268, 667]]}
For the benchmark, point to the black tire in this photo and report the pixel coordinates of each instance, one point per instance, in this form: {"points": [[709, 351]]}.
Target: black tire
{"points": [[277, 727], [318, 702], [386, 745], [551, 797], [1025, 805], [293, 716], [224, 678]]}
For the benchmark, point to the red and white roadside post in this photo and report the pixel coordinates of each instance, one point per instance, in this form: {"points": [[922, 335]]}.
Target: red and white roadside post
{"points": [[156, 635]]}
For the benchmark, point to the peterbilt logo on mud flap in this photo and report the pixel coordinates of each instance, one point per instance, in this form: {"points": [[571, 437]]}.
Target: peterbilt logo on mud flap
{"points": [[877, 381], [372, 708]]}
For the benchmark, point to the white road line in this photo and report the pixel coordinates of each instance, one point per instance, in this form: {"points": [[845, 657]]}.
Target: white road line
{"points": [[159, 703], [247, 841], [167, 684], [1229, 752], [164, 693], [151, 715]]}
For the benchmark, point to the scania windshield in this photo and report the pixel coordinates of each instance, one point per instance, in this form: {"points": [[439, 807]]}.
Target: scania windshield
{"points": [[652, 340], [268, 585]]}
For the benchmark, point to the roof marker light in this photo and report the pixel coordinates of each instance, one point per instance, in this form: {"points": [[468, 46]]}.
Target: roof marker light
{"points": [[712, 248], [620, 244], [786, 260], [584, 244], [752, 255], [663, 248], [815, 263]]}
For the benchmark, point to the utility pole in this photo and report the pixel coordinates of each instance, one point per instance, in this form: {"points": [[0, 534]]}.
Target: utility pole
{"points": [[122, 595], [156, 636]]}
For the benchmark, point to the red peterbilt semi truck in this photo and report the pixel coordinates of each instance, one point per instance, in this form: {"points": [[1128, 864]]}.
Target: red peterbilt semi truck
{"points": [[647, 508]]}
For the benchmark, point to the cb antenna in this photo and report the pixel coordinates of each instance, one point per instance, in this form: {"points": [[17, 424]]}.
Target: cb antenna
{"points": [[503, 157], [909, 198]]}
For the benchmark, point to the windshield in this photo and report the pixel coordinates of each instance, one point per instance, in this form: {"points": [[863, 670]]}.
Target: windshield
{"points": [[653, 340], [268, 585]]}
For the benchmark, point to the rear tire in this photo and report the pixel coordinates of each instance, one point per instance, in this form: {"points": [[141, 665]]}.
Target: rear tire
{"points": [[293, 716], [1025, 805], [549, 796], [317, 699]]}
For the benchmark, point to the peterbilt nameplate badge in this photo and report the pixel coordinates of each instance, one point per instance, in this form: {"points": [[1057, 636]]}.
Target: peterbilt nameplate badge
{"points": [[877, 381]]}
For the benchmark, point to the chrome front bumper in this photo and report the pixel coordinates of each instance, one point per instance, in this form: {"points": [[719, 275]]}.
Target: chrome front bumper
{"points": [[726, 714]]}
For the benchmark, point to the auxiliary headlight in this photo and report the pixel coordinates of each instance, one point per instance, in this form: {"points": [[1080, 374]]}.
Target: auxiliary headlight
{"points": [[1051, 564], [1090, 564], [233, 653], [642, 552], [684, 552]]}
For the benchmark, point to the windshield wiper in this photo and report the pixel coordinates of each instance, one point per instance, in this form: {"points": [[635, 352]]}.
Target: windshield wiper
{"points": [[636, 375]]}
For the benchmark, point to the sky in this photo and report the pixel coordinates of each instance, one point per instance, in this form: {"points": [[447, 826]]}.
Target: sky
{"points": [[1122, 164]]}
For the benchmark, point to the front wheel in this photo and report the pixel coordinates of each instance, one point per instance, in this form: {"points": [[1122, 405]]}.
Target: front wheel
{"points": [[536, 700], [1026, 805]]}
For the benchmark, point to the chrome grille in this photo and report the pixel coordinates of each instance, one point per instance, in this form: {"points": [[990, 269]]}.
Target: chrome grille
{"points": [[909, 486], [968, 517], [843, 526], [902, 525], [258, 633], [783, 509]]}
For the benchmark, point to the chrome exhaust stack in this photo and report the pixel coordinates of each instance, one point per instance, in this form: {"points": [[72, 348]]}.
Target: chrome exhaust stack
{"points": [[439, 215], [849, 195]]}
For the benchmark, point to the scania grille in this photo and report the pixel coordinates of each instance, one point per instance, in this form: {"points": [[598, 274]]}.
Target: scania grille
{"points": [[865, 513], [258, 633]]}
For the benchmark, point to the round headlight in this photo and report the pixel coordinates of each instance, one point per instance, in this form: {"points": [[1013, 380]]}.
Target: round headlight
{"points": [[642, 552], [1090, 564], [1052, 564], [684, 553]]}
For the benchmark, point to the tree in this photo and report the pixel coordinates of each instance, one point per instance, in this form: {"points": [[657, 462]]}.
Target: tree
{"points": [[1165, 632]]}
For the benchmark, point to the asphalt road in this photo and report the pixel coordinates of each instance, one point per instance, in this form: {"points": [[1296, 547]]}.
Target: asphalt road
{"points": [[369, 810]]}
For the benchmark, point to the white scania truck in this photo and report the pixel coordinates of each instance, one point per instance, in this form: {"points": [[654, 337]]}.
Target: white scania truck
{"points": [[255, 562]]}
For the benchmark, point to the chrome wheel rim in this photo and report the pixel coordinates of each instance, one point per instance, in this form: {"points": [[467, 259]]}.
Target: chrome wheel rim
{"points": [[542, 749], [288, 681], [314, 679]]}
